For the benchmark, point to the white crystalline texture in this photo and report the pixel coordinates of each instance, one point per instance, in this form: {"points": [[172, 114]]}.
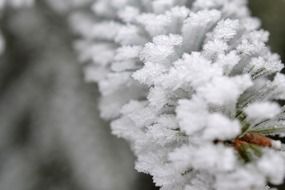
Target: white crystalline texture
{"points": [[220, 127], [226, 30], [221, 159], [275, 172], [262, 110], [242, 178], [160, 50], [191, 115], [224, 90], [279, 83], [181, 80], [154, 24], [192, 70], [195, 28]]}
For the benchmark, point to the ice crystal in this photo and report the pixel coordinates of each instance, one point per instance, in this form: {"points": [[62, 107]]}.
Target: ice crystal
{"points": [[192, 86]]}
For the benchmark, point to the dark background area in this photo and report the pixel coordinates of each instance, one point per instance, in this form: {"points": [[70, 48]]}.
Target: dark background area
{"points": [[272, 15], [51, 137]]}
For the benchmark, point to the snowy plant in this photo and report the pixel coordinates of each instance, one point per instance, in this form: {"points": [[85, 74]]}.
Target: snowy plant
{"points": [[192, 86]]}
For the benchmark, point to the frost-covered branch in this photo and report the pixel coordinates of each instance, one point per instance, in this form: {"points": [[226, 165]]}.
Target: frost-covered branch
{"points": [[192, 86]]}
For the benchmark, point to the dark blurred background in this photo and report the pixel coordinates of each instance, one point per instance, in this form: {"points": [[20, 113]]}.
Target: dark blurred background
{"points": [[272, 15], [51, 137]]}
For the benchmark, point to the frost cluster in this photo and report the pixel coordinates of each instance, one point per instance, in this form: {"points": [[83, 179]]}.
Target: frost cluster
{"points": [[192, 86]]}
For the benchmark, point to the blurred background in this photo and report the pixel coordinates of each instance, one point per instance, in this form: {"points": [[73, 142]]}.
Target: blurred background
{"points": [[51, 137]]}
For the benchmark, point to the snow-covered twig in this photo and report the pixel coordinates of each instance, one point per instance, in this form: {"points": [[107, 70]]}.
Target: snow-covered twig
{"points": [[192, 86]]}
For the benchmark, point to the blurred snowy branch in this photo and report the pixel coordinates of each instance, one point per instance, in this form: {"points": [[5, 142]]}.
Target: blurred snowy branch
{"points": [[51, 135]]}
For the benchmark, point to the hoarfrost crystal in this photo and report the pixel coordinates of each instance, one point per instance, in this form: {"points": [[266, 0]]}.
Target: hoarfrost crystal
{"points": [[192, 86]]}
